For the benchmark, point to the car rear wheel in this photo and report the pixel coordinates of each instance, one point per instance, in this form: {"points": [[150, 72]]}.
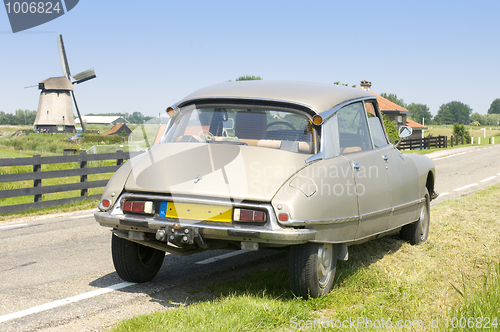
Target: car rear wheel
{"points": [[417, 232], [312, 269], [135, 262]]}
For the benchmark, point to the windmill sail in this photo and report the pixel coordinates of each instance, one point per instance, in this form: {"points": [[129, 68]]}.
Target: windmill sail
{"points": [[84, 76], [64, 58]]}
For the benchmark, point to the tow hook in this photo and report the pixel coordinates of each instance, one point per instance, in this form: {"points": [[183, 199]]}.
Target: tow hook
{"points": [[180, 236]]}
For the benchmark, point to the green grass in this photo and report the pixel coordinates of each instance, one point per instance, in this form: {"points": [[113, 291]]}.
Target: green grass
{"points": [[383, 279], [480, 300]]}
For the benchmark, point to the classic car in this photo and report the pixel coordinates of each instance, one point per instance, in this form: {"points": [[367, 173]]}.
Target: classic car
{"points": [[267, 164]]}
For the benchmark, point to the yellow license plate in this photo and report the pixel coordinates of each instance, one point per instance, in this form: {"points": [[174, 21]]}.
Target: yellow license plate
{"points": [[190, 211]]}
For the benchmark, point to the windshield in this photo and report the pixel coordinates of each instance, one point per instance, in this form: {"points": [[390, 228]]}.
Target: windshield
{"points": [[260, 127]]}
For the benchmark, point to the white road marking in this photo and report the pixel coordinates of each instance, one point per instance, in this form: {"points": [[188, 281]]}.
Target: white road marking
{"points": [[13, 226], [488, 179], [217, 258], [83, 216], [65, 301], [443, 194], [449, 156], [465, 187]]}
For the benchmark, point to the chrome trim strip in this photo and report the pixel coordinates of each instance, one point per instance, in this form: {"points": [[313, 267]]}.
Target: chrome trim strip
{"points": [[292, 222], [375, 213], [327, 114], [405, 205]]}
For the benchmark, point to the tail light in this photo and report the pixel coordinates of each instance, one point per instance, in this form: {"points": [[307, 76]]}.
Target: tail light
{"points": [[246, 215], [137, 206]]}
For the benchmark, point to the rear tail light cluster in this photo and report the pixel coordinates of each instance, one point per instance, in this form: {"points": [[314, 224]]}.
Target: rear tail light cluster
{"points": [[246, 215], [137, 206]]}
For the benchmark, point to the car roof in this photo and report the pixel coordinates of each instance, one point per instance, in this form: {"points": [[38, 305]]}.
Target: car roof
{"points": [[318, 97]]}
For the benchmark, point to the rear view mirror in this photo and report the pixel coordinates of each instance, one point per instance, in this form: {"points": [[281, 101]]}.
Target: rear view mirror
{"points": [[405, 131]]}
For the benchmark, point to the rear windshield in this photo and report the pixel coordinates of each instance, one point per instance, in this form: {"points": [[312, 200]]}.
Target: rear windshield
{"points": [[259, 127]]}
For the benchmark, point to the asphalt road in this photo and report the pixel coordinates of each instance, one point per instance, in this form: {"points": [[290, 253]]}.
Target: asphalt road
{"points": [[57, 275]]}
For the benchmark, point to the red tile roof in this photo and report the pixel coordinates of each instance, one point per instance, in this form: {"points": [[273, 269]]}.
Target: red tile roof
{"points": [[413, 124], [117, 129], [387, 105]]}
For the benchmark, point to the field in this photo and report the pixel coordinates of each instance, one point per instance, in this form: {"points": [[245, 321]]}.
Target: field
{"points": [[450, 279], [15, 143], [476, 132]]}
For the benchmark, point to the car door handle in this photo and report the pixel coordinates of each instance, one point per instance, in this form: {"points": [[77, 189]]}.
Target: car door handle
{"points": [[386, 157], [356, 166]]}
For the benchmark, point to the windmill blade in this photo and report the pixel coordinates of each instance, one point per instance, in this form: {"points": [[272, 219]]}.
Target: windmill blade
{"points": [[84, 76], [62, 55], [78, 111]]}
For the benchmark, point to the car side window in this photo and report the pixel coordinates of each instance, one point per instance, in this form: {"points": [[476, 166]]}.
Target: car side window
{"points": [[353, 129], [375, 125]]}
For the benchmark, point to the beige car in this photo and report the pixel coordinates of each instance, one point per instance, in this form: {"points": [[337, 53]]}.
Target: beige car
{"points": [[260, 164]]}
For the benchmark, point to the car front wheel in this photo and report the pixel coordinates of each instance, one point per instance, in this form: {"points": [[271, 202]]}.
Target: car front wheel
{"points": [[135, 262], [418, 231], [312, 269]]}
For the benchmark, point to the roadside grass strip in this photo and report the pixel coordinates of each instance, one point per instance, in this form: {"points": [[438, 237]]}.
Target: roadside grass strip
{"points": [[450, 278]]}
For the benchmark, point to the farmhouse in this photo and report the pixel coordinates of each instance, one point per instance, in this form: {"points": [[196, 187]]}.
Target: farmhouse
{"points": [[395, 112]]}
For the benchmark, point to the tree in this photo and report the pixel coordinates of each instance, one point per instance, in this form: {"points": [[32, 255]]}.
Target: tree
{"points": [[394, 98], [495, 107], [248, 78], [476, 117], [454, 111], [419, 111], [492, 119], [391, 128]]}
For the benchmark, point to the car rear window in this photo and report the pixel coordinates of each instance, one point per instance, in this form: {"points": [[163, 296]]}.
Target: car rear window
{"points": [[259, 127]]}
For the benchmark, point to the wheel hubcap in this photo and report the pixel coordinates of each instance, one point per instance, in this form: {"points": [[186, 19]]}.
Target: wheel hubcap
{"points": [[324, 263], [424, 221]]}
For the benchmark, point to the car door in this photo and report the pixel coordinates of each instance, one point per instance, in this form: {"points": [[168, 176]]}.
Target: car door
{"points": [[372, 184], [401, 172]]}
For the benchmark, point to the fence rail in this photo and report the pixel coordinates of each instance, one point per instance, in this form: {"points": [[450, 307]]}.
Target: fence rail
{"points": [[424, 143], [38, 175]]}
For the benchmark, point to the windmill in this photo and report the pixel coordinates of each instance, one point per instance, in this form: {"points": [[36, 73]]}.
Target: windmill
{"points": [[55, 112]]}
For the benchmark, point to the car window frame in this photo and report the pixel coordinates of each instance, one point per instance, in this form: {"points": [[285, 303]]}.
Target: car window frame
{"points": [[378, 114]]}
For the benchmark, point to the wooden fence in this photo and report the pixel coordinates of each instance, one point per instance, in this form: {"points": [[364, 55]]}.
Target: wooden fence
{"points": [[38, 175], [424, 143]]}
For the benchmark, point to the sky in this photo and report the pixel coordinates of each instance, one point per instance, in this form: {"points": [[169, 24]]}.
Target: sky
{"points": [[150, 54]]}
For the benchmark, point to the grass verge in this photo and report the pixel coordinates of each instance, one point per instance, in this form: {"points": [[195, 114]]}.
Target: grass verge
{"points": [[386, 279]]}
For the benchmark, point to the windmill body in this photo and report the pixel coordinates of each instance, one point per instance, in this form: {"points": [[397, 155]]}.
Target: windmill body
{"points": [[55, 110]]}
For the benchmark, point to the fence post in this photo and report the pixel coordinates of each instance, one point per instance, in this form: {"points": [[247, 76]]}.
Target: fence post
{"points": [[119, 161], [83, 178], [451, 140], [37, 167], [446, 141]]}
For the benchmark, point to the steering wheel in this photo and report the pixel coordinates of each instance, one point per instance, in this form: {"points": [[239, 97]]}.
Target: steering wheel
{"points": [[281, 123], [205, 136]]}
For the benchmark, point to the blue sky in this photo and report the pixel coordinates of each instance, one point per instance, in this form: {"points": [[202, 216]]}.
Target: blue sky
{"points": [[149, 54]]}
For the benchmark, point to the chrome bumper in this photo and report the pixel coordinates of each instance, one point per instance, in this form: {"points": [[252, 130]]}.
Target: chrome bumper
{"points": [[269, 233]]}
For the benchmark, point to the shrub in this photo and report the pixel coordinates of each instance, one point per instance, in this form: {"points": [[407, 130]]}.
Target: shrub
{"points": [[460, 131]]}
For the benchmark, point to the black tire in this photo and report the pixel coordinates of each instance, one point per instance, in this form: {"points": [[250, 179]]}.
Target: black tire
{"points": [[312, 269], [418, 231], [135, 262]]}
